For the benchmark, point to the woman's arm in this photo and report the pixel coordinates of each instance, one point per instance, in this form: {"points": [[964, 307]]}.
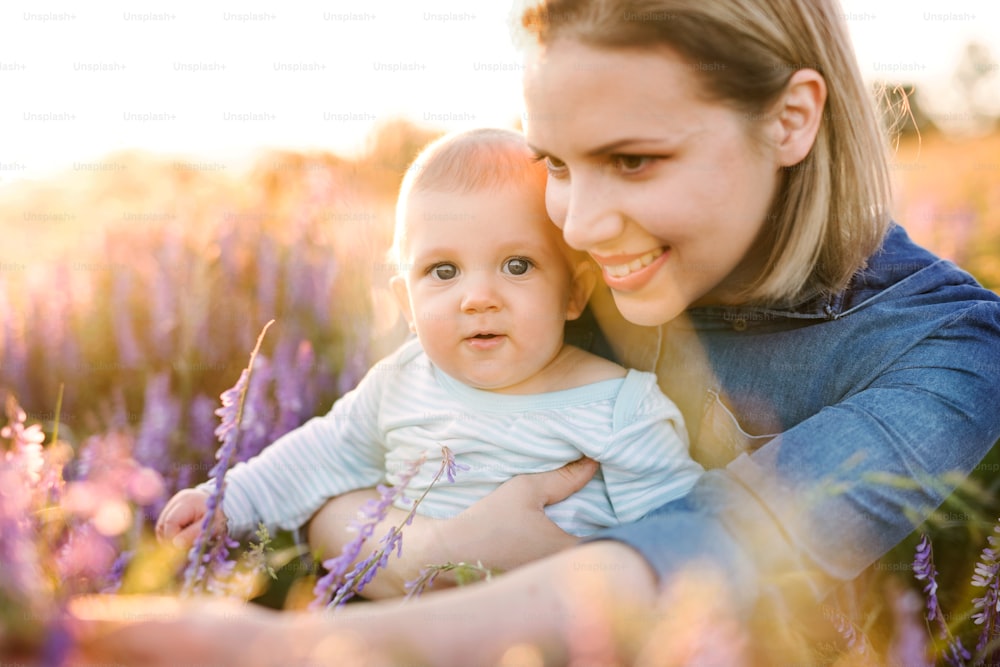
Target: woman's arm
{"points": [[818, 504], [588, 605], [504, 530]]}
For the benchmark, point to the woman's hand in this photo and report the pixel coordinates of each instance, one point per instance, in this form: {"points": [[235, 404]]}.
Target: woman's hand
{"points": [[162, 630], [504, 530], [166, 632]]}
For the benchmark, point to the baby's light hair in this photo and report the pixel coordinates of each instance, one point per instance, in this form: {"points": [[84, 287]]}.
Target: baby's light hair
{"points": [[466, 161]]}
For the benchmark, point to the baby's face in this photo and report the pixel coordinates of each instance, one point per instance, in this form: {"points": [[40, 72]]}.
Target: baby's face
{"points": [[488, 285]]}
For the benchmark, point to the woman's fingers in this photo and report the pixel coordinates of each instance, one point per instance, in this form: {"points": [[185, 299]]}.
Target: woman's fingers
{"points": [[561, 483], [532, 492], [504, 530]]}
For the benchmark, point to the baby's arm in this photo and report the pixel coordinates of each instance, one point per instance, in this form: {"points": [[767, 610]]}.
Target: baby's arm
{"points": [[292, 478]]}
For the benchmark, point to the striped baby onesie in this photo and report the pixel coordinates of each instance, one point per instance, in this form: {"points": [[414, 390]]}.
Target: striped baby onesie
{"points": [[406, 407]]}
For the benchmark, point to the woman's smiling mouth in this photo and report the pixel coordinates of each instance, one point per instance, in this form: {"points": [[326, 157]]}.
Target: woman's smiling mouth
{"points": [[634, 272], [622, 270]]}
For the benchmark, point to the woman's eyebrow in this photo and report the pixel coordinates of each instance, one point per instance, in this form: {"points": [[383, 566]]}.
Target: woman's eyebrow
{"points": [[537, 151], [617, 146], [612, 147]]}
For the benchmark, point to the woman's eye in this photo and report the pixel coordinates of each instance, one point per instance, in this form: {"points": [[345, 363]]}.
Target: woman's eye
{"points": [[629, 164], [555, 166], [444, 271], [517, 266]]}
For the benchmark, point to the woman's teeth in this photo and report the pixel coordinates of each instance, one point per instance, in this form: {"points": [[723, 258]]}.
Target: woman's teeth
{"points": [[622, 270]]}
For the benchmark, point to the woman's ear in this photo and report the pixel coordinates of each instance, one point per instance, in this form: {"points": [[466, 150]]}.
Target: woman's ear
{"points": [[581, 287], [798, 115], [398, 285]]}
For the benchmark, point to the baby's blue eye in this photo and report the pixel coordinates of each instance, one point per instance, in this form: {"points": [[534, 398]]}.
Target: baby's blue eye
{"points": [[517, 266], [444, 271]]}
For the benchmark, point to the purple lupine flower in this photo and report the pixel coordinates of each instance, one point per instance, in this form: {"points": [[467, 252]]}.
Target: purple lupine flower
{"points": [[258, 411], [228, 242], [338, 585], [988, 606], [424, 580], [228, 434], [909, 645], [106, 481], [297, 283], [956, 654], [230, 424], [117, 571], [86, 556], [129, 352], [161, 413], [164, 310], [857, 642], [292, 390], [354, 368], [58, 643], [372, 513], [14, 362], [220, 567], [924, 570], [117, 417], [451, 465], [305, 368], [345, 586], [26, 454], [21, 575], [201, 424]]}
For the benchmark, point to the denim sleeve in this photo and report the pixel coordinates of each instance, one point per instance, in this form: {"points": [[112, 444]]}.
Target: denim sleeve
{"points": [[828, 497]]}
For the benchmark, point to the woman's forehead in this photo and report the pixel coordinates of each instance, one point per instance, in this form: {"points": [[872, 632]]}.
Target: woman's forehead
{"points": [[597, 97]]}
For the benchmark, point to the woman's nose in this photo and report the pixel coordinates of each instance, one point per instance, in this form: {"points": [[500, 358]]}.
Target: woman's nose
{"points": [[585, 212], [479, 293]]}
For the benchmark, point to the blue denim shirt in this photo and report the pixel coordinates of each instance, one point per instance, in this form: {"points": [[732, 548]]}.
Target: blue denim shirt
{"points": [[830, 430]]}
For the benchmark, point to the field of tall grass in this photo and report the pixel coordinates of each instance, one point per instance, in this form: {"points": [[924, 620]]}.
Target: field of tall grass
{"points": [[132, 291]]}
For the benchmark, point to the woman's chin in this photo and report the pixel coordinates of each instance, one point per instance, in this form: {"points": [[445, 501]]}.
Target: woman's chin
{"points": [[648, 312]]}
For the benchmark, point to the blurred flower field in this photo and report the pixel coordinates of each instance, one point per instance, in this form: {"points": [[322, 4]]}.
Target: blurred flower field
{"points": [[132, 291]]}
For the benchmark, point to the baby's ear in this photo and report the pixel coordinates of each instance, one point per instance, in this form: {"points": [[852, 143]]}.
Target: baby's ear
{"points": [[584, 280], [398, 285]]}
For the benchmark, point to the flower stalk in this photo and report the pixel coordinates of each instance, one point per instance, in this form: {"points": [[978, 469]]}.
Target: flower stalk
{"points": [[206, 548]]}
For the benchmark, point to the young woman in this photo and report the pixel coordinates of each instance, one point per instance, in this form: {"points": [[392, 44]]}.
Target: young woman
{"points": [[722, 162]]}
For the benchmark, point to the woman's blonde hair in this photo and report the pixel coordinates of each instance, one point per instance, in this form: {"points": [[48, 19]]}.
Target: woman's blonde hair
{"points": [[832, 209]]}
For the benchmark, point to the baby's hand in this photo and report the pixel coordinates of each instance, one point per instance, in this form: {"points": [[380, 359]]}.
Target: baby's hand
{"points": [[181, 518]]}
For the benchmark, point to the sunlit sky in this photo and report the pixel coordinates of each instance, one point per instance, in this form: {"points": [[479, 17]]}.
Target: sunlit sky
{"points": [[217, 82]]}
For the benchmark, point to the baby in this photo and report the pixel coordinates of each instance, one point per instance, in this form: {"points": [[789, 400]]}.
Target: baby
{"points": [[487, 283]]}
